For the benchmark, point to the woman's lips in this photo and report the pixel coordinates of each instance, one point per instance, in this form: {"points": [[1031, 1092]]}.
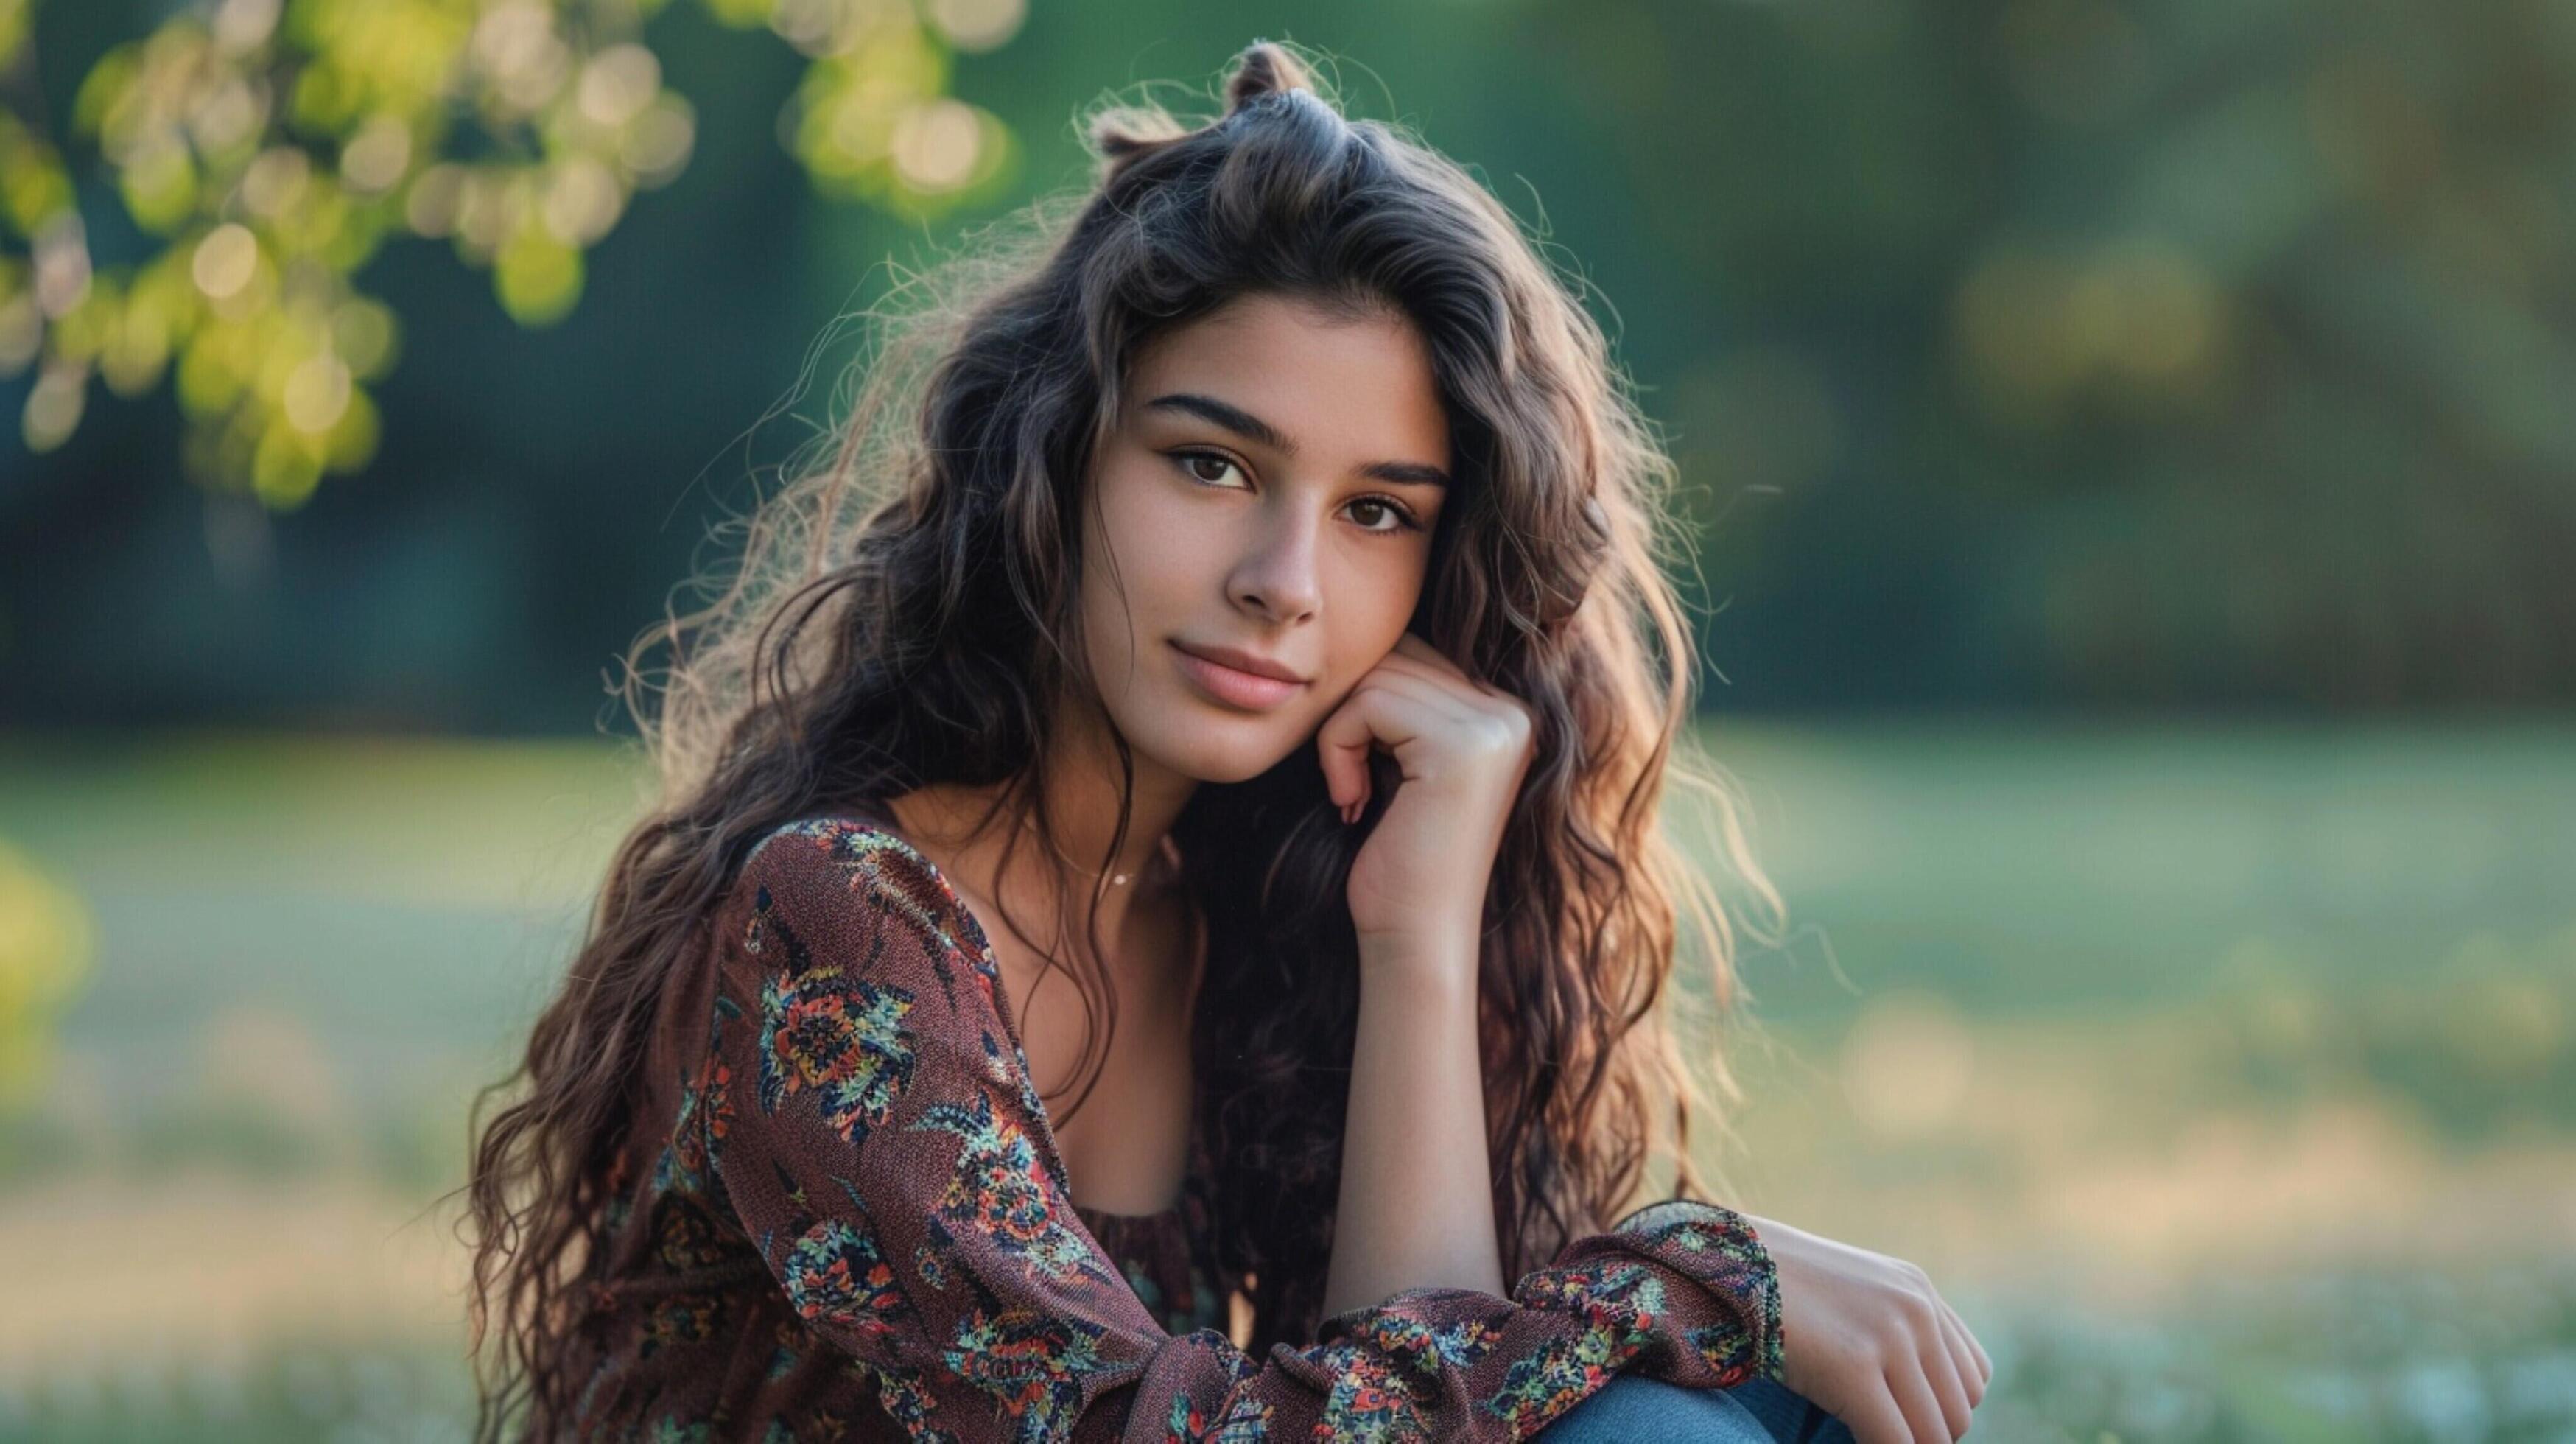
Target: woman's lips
{"points": [[1232, 687]]}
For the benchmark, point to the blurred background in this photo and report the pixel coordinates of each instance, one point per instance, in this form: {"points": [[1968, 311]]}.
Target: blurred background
{"points": [[2130, 447]]}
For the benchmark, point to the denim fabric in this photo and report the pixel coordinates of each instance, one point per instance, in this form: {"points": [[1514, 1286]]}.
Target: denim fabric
{"points": [[1792, 1418], [1633, 1407]]}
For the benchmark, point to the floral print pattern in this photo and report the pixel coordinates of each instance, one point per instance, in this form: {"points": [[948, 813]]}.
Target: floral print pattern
{"points": [[880, 1242], [839, 1037], [835, 1272], [999, 1192]]}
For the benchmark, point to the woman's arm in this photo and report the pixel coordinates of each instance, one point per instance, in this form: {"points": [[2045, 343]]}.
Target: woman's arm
{"points": [[1416, 1208], [1416, 1205], [1878, 1346]]}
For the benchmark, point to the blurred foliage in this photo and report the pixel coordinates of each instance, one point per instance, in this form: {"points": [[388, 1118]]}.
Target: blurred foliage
{"points": [[2206, 349], [267, 148], [2084, 355], [46, 942]]}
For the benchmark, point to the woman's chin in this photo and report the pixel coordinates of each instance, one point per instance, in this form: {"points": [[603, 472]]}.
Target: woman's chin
{"points": [[1208, 754]]}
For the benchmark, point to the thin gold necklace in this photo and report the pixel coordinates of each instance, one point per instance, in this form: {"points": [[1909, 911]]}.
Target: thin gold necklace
{"points": [[1115, 879]]}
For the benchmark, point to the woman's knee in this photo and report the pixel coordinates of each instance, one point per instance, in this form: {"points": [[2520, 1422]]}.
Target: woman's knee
{"points": [[1791, 1417], [1632, 1407]]}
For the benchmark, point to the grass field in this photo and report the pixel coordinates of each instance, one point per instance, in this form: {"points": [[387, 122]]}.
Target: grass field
{"points": [[2225, 1078]]}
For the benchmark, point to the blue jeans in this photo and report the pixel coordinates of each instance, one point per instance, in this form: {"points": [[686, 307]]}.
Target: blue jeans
{"points": [[1760, 1411]]}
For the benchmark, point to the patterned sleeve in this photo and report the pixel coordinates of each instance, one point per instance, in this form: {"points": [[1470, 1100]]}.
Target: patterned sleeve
{"points": [[888, 1156]]}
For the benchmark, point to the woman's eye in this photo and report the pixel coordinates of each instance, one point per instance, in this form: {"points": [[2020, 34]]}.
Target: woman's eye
{"points": [[1387, 509], [1191, 461]]}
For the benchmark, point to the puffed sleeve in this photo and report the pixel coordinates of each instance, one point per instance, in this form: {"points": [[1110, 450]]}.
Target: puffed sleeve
{"points": [[889, 1158]]}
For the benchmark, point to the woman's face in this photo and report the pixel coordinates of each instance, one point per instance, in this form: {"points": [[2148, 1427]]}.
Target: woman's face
{"points": [[1271, 488]]}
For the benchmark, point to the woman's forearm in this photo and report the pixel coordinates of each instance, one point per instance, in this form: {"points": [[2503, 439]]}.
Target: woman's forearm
{"points": [[1416, 1206]]}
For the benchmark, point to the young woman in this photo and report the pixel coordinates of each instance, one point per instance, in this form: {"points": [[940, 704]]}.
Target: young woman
{"points": [[1246, 602]]}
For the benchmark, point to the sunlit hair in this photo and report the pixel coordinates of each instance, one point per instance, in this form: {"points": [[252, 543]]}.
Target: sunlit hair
{"points": [[905, 608]]}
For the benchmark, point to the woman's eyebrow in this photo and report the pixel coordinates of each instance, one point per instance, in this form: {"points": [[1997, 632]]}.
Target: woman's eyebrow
{"points": [[1244, 424]]}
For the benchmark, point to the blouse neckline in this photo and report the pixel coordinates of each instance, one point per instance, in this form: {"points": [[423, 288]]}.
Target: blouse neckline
{"points": [[879, 819]]}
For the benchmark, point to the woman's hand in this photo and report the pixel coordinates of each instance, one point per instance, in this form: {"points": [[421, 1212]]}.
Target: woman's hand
{"points": [[1463, 748], [1871, 1341]]}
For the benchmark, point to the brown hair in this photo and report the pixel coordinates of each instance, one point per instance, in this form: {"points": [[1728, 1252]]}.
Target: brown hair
{"points": [[904, 610]]}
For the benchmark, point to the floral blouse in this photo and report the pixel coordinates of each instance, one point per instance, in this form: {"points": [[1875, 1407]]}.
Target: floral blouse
{"points": [[844, 1216]]}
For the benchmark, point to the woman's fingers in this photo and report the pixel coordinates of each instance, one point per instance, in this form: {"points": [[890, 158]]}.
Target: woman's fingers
{"points": [[1985, 1366], [1973, 1371], [1389, 708], [1875, 1420], [1913, 1393], [1941, 1371], [1342, 747], [1382, 711]]}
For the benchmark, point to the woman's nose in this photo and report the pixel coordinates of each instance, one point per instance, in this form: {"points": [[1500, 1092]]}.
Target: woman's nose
{"points": [[1278, 576]]}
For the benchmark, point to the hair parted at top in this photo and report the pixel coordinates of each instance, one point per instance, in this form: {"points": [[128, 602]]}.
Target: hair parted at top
{"points": [[903, 610]]}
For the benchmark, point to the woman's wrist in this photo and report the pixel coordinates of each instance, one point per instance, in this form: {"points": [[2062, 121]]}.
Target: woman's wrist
{"points": [[1432, 948]]}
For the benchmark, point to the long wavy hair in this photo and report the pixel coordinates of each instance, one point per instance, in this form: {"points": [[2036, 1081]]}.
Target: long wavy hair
{"points": [[904, 610]]}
